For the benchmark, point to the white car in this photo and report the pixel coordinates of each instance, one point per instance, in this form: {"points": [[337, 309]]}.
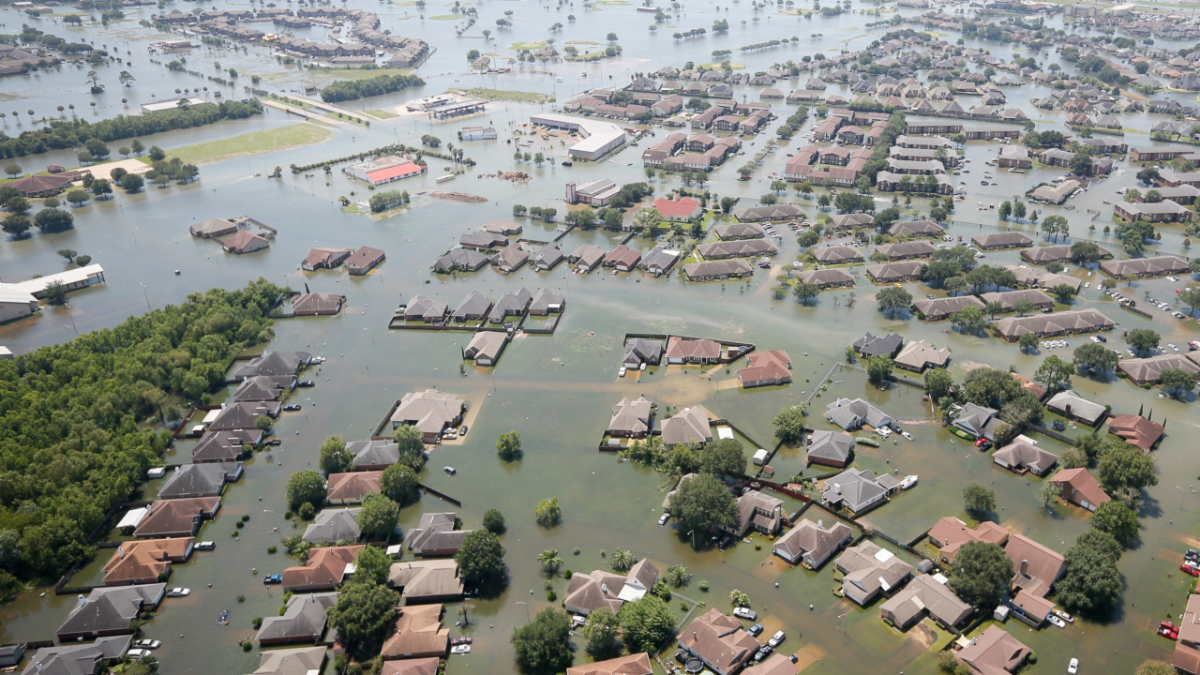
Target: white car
{"points": [[205, 546], [460, 649], [148, 644], [1056, 621], [1173, 347], [777, 639], [907, 435], [621, 372], [1064, 616], [179, 592], [745, 613], [883, 431], [137, 653], [1073, 666]]}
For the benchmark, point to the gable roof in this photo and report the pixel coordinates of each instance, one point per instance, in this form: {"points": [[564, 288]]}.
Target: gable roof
{"points": [[690, 425], [1037, 567], [826, 447], [1136, 430], [333, 524], [950, 533], [872, 568], [810, 539], [200, 480], [303, 619], [1083, 483], [301, 661]]}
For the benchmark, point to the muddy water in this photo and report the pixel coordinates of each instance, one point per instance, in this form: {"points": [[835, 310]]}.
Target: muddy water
{"points": [[557, 391]]}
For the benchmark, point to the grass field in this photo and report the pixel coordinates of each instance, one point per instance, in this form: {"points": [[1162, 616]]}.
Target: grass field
{"points": [[382, 114], [507, 95], [444, 17], [717, 66], [519, 46], [582, 42], [253, 143], [327, 75]]}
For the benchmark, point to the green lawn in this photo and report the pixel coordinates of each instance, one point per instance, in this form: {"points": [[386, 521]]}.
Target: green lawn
{"points": [[382, 114], [508, 95], [444, 17], [582, 42], [341, 117], [327, 75], [253, 143], [718, 66], [521, 46]]}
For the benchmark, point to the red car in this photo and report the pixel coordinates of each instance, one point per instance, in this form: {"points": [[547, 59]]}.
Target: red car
{"points": [[1190, 570], [1168, 630], [980, 441]]}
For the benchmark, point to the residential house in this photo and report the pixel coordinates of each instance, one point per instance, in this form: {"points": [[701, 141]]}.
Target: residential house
{"points": [[427, 310], [331, 525], [146, 562], [297, 661], [639, 351], [474, 307], [828, 278], [373, 455], [431, 411], [1059, 323], [690, 425], [1166, 211], [853, 414], [1079, 487], [107, 612], [633, 664], [660, 259], [244, 242], [1136, 430], [757, 511], [622, 258], [317, 304], [925, 595], [1037, 568], [1059, 253], [482, 240], [436, 536], [1020, 456], [919, 355], [892, 272], [548, 258], [631, 418], [588, 592], [837, 255], [734, 231], [510, 258], [513, 303], [1073, 407], [766, 369], [243, 415], [485, 347], [460, 260], [324, 569], [78, 659], [213, 228], [546, 302], [422, 581], [994, 652], [273, 364], [417, 634], [810, 544], [587, 257], [176, 517], [303, 620], [829, 448], [682, 350], [717, 269], [944, 308], [906, 250], [858, 490], [719, 642], [1157, 266], [916, 228], [352, 487], [871, 345], [323, 258], [869, 570], [200, 480], [1016, 156], [225, 446], [950, 534], [1000, 240]]}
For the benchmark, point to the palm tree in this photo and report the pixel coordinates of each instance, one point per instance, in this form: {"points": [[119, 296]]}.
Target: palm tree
{"points": [[677, 575], [60, 110], [622, 560], [549, 559]]}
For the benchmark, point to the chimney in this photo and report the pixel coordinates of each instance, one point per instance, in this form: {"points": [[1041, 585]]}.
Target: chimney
{"points": [[1025, 567], [120, 552]]}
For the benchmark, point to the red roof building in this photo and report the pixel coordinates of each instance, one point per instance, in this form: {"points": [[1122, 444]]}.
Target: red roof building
{"points": [[1079, 487], [398, 172], [765, 369], [1136, 430], [679, 209]]}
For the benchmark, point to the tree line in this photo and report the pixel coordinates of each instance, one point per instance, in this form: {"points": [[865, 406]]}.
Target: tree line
{"points": [[75, 434], [347, 90], [64, 134]]}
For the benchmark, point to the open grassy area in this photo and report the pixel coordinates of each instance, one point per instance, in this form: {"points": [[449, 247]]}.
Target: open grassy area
{"points": [[582, 42], [341, 117], [327, 75], [508, 95], [253, 143], [718, 66], [522, 46], [444, 17], [382, 114]]}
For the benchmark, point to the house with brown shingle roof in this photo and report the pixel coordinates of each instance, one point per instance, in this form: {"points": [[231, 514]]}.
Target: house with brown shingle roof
{"points": [[688, 350], [364, 260], [431, 411], [622, 258], [176, 517], [353, 486], [422, 581], [811, 545], [631, 418], [719, 642], [949, 534], [244, 242], [994, 652], [925, 595], [633, 664], [145, 562], [1019, 456], [417, 633], [766, 369], [690, 425], [869, 570], [759, 512], [323, 570], [1079, 487], [321, 258], [1136, 430]]}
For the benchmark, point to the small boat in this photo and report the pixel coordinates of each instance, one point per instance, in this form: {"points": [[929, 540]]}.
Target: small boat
{"points": [[909, 481], [223, 618]]}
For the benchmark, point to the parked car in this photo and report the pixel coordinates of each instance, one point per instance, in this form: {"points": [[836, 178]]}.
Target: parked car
{"points": [[755, 630], [179, 592], [1056, 621], [205, 546], [745, 613], [274, 442], [461, 649], [306, 383], [1190, 570], [148, 644], [292, 407], [137, 653], [777, 639], [272, 579], [450, 470], [1073, 667], [463, 430], [461, 640], [763, 652], [662, 520], [1064, 616]]}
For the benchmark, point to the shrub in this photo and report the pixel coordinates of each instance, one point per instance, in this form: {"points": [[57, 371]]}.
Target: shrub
{"points": [[271, 550], [551, 596], [247, 646]]}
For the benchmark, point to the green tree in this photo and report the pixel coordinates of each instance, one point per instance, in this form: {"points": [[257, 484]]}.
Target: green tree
{"points": [[808, 238], [50, 221], [493, 521], [676, 575], [789, 426], [703, 503], [481, 556], [68, 253], [981, 573], [723, 458], [132, 183], [879, 368], [544, 644], [334, 457], [364, 612], [622, 560], [1177, 382], [1142, 339], [1005, 210], [1048, 491], [549, 559], [1092, 583], [1095, 358], [1028, 342], [1054, 373], [1123, 466], [978, 499], [509, 446], [305, 487], [399, 483], [78, 197], [738, 598], [969, 319], [601, 630], [378, 516], [646, 624], [16, 224], [372, 565], [548, 513], [411, 447], [805, 292], [1117, 520], [891, 299], [938, 384]]}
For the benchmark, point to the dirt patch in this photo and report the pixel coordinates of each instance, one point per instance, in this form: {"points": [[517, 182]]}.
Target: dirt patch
{"points": [[808, 656], [923, 635], [104, 171], [513, 176], [461, 197]]}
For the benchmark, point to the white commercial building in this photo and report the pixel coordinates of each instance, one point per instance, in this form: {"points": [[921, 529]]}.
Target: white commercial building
{"points": [[600, 138]]}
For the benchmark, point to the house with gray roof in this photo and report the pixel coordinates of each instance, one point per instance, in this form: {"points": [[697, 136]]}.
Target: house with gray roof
{"points": [[660, 259], [482, 240], [731, 231], [837, 255], [998, 240], [828, 278], [78, 659], [332, 525], [918, 355], [510, 258], [545, 302], [109, 611], [978, 421], [906, 250], [759, 512], [943, 308], [513, 303], [485, 347], [587, 257], [460, 260], [853, 414], [200, 480], [1021, 455], [810, 544], [474, 307], [430, 411], [829, 448], [858, 489], [427, 310], [272, 363], [869, 570], [373, 455], [926, 595], [1072, 406], [436, 536], [891, 272], [548, 258], [631, 418], [641, 350], [303, 620], [690, 425], [871, 345]]}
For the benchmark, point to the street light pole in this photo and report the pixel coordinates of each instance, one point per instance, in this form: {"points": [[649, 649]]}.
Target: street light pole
{"points": [[526, 610]]}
